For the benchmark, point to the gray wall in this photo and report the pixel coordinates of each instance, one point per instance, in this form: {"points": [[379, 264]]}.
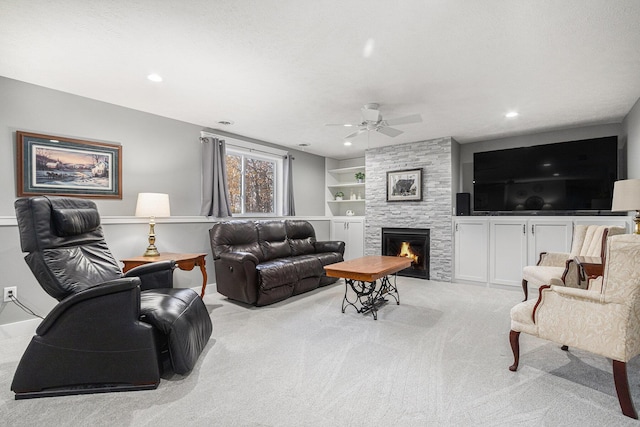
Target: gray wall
{"points": [[631, 133], [433, 212], [159, 155]]}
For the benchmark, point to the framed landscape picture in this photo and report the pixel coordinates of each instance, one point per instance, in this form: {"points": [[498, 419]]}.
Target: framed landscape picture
{"points": [[404, 185], [58, 166]]}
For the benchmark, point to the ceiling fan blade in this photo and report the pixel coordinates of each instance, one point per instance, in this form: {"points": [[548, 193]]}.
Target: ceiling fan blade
{"points": [[354, 134], [389, 131], [341, 124], [414, 118], [370, 115]]}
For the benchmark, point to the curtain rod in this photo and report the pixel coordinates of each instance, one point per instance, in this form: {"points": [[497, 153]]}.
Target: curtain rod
{"points": [[203, 134]]}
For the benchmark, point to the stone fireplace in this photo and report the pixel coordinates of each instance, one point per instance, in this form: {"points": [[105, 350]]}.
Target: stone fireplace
{"points": [[434, 212], [412, 243]]}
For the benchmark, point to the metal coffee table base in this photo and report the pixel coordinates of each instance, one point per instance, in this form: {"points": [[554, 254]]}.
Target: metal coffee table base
{"points": [[368, 296]]}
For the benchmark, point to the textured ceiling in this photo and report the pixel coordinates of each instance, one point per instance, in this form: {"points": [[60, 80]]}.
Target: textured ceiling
{"points": [[282, 69]]}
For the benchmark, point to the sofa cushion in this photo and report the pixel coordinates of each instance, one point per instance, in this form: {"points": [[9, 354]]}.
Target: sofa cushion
{"points": [[307, 266], [301, 237], [277, 272], [235, 236], [272, 236]]}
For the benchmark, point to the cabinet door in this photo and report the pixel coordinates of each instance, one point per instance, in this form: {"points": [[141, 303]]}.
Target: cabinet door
{"points": [[351, 232], [549, 236], [355, 231], [507, 251], [471, 250]]}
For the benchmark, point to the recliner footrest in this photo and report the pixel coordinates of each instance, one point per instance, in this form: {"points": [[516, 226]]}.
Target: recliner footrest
{"points": [[182, 317]]}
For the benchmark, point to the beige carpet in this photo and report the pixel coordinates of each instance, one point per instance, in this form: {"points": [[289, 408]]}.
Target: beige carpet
{"points": [[440, 358]]}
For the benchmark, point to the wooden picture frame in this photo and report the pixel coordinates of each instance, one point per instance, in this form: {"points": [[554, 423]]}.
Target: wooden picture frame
{"points": [[404, 185], [59, 166]]}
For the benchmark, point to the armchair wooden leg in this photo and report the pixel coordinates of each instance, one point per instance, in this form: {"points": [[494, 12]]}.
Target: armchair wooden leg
{"points": [[514, 339], [622, 388], [525, 289]]}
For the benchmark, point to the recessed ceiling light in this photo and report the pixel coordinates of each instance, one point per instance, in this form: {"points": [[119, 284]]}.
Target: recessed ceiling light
{"points": [[511, 114], [225, 122], [155, 77], [53, 140], [347, 143], [347, 125]]}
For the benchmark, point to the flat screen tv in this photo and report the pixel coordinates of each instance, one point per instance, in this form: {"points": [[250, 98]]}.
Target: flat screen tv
{"points": [[563, 178]]}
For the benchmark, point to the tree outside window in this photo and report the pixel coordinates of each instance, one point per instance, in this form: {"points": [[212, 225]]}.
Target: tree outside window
{"points": [[251, 180]]}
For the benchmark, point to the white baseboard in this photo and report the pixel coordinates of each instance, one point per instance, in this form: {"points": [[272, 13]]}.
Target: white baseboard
{"points": [[18, 329]]}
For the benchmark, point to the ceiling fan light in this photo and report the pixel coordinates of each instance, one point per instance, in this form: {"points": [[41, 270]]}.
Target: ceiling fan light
{"points": [[347, 143]]}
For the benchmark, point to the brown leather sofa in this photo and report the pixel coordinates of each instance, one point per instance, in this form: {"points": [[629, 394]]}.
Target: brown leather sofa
{"points": [[262, 262]]}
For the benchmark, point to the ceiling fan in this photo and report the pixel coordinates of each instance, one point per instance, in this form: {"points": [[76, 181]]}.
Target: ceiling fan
{"points": [[372, 120]]}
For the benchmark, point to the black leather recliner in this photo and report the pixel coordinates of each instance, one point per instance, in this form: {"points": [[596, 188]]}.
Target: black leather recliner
{"points": [[110, 331]]}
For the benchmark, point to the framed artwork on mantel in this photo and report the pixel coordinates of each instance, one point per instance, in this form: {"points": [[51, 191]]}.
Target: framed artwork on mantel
{"points": [[404, 185], [59, 166]]}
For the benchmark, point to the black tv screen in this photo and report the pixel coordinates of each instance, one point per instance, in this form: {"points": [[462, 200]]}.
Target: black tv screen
{"points": [[555, 178]]}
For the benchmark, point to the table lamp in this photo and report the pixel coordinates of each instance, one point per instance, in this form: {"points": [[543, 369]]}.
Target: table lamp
{"points": [[626, 197], [152, 205]]}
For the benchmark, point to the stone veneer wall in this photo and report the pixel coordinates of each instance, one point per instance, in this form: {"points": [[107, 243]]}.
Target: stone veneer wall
{"points": [[433, 212]]}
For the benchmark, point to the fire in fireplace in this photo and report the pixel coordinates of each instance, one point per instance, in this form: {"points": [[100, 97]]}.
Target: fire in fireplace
{"points": [[408, 242]]}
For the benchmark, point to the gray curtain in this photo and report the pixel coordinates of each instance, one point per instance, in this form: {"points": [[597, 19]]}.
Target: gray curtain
{"points": [[215, 192], [289, 208]]}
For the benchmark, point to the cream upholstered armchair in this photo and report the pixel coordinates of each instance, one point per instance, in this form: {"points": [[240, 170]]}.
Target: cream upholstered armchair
{"points": [[603, 319], [558, 268]]}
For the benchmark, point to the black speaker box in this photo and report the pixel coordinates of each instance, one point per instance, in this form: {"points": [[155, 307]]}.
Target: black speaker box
{"points": [[463, 204]]}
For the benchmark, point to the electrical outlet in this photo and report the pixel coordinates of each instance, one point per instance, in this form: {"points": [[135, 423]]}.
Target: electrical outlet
{"points": [[11, 291]]}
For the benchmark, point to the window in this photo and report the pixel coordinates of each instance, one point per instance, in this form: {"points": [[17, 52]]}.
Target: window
{"points": [[255, 181]]}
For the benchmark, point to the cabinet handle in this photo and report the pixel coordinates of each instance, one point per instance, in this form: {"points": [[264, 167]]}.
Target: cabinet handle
{"points": [[533, 229], [524, 229], [456, 227]]}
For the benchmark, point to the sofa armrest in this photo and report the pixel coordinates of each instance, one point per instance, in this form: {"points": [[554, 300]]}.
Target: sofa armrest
{"points": [[330, 246], [102, 290], [239, 257], [154, 275], [237, 276]]}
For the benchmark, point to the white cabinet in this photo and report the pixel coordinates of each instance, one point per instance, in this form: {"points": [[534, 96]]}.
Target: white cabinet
{"points": [[548, 236], [496, 249], [507, 251], [351, 232], [471, 249]]}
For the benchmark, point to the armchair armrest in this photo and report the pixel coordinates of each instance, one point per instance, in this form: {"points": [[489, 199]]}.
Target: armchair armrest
{"points": [[98, 291], [584, 294], [330, 246], [553, 259], [154, 275]]}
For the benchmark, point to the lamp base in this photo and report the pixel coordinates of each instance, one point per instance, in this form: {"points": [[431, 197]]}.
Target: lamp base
{"points": [[637, 221], [151, 251]]}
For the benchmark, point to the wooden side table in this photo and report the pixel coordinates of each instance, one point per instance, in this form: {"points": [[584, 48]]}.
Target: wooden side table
{"points": [[184, 262], [592, 266]]}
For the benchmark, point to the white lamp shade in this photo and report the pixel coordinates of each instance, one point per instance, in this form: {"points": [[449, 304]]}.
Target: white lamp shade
{"points": [[153, 205], [626, 195]]}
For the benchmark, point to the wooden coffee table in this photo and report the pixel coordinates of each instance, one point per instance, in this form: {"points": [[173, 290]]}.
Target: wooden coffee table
{"points": [[362, 274]]}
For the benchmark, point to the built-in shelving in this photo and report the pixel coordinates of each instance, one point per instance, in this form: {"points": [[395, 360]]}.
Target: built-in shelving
{"points": [[340, 177]]}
